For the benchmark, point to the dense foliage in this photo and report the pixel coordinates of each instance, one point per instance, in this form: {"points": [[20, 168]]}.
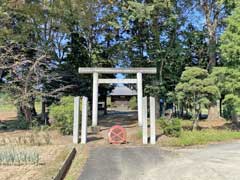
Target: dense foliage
{"points": [[230, 46], [62, 114], [193, 44], [171, 127]]}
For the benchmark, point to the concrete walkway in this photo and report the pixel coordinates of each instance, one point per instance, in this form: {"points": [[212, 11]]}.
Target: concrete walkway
{"points": [[213, 162]]}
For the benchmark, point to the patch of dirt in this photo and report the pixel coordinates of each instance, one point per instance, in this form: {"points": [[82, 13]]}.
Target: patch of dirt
{"points": [[126, 120], [5, 116], [48, 154], [51, 156], [212, 123]]}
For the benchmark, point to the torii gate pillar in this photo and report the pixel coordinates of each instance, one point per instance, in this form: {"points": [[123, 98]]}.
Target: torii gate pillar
{"points": [[95, 99], [139, 98]]}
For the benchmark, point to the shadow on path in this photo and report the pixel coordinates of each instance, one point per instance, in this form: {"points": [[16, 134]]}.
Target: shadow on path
{"points": [[111, 163]]}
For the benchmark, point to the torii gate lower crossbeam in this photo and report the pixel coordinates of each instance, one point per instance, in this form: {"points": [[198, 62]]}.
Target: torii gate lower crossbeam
{"points": [[96, 81]]}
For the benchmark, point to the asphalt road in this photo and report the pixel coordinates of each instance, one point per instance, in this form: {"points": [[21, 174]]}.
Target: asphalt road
{"points": [[212, 162]]}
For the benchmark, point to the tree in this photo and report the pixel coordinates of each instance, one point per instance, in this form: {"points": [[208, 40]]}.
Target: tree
{"points": [[84, 26], [196, 88], [214, 12], [28, 52], [227, 80], [67, 32], [26, 70], [195, 46], [232, 104], [154, 38], [230, 47]]}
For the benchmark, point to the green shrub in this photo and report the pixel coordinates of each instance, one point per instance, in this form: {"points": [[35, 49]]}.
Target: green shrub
{"points": [[171, 127], [22, 123], [133, 103], [62, 114]]}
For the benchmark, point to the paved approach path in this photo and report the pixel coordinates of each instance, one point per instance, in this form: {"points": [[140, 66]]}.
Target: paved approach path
{"points": [[212, 162]]}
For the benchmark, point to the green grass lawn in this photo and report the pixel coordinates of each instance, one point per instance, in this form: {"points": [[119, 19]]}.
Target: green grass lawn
{"points": [[7, 108], [188, 138], [7, 104], [10, 107]]}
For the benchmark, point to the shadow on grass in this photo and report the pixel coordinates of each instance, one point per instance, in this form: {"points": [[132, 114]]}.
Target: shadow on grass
{"points": [[12, 125]]}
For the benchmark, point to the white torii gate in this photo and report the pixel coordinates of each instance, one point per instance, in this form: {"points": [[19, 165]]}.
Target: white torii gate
{"points": [[96, 81]]}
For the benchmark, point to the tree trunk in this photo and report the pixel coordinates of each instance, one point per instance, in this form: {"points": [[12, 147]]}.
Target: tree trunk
{"points": [[163, 109], [43, 111], [195, 122], [212, 53], [27, 113], [20, 113], [197, 111], [157, 107], [213, 113], [105, 105], [186, 109], [181, 110], [235, 117], [211, 17], [174, 110], [220, 107], [33, 111], [24, 112]]}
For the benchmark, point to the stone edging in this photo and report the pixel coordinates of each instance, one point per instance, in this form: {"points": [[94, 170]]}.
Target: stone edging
{"points": [[66, 164]]}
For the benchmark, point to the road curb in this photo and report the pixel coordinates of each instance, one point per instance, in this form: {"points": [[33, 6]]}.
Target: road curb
{"points": [[66, 165]]}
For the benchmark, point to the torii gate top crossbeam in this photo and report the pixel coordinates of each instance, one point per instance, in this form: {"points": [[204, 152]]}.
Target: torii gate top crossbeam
{"points": [[86, 70]]}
